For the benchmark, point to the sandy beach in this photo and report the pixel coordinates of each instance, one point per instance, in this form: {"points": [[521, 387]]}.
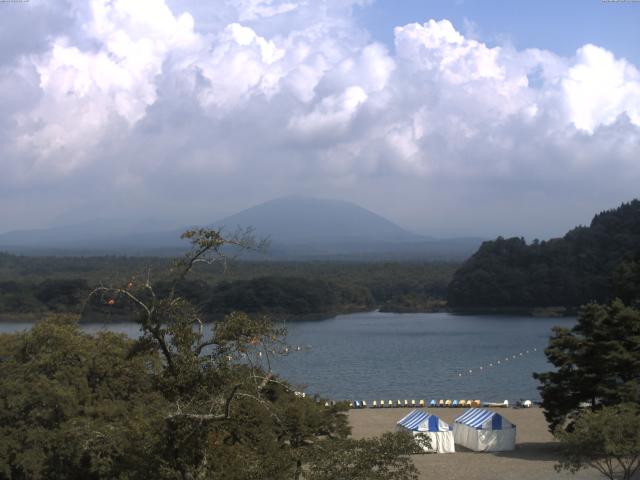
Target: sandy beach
{"points": [[535, 455]]}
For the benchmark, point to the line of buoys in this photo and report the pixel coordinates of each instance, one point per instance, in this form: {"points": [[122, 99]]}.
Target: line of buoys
{"points": [[262, 353], [291, 348], [502, 361]]}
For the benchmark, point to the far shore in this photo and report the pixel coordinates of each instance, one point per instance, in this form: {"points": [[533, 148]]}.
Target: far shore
{"points": [[24, 317], [534, 458], [32, 317]]}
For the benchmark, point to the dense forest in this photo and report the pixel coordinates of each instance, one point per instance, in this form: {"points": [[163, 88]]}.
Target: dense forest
{"points": [[274, 295], [594, 263], [36, 285]]}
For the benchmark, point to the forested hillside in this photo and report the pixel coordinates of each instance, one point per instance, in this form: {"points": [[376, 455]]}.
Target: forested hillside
{"points": [[36, 285], [275, 295], [593, 263]]}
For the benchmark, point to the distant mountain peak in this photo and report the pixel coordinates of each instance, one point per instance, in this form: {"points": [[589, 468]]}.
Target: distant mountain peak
{"points": [[300, 227], [306, 219]]}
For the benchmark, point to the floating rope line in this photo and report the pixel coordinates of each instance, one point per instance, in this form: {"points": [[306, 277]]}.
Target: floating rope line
{"points": [[502, 361], [275, 352]]}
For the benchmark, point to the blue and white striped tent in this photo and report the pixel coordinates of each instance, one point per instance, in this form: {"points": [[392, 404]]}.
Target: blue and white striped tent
{"points": [[440, 433], [421, 421], [484, 430]]}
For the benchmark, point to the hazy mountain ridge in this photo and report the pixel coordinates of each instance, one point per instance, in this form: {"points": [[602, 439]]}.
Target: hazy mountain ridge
{"points": [[89, 233], [298, 227], [301, 220]]}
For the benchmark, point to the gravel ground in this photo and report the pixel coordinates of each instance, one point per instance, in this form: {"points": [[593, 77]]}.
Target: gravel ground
{"points": [[535, 455]]}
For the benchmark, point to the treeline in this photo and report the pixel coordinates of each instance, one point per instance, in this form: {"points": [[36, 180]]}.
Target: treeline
{"points": [[594, 263], [274, 295], [100, 269], [264, 295], [60, 295], [62, 284]]}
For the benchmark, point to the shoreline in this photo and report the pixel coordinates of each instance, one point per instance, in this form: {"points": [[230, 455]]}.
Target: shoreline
{"points": [[554, 312]]}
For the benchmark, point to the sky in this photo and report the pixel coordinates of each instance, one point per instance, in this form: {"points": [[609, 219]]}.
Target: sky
{"points": [[450, 118]]}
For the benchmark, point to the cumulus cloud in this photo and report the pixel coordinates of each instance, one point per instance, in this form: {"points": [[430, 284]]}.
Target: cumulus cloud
{"points": [[177, 106], [83, 90], [598, 88]]}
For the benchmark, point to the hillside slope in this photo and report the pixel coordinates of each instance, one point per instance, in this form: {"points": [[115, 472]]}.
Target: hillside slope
{"points": [[578, 268]]}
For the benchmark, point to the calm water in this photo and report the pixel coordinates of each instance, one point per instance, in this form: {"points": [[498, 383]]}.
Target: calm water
{"points": [[396, 356]]}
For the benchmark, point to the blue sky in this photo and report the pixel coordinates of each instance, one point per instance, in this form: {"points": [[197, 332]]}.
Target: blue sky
{"points": [[558, 25], [450, 118]]}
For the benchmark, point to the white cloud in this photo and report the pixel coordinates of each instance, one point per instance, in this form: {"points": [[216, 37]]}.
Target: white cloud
{"points": [[255, 9], [83, 90], [332, 115], [241, 64], [598, 88], [298, 93], [438, 48]]}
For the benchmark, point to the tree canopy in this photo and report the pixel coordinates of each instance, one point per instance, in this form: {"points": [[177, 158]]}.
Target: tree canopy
{"points": [[607, 440], [75, 405], [597, 361], [568, 271], [176, 403], [31, 286]]}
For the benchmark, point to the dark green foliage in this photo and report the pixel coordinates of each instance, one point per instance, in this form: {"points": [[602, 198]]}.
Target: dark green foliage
{"points": [[380, 458], [568, 271], [607, 440], [197, 292], [73, 405], [287, 295], [17, 297], [49, 284], [105, 268], [61, 292], [55, 295], [597, 361], [176, 403], [626, 280]]}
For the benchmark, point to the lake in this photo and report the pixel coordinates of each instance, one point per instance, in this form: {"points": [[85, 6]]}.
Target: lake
{"points": [[376, 355]]}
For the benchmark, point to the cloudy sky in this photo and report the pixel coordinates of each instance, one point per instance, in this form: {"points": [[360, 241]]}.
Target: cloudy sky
{"points": [[450, 118]]}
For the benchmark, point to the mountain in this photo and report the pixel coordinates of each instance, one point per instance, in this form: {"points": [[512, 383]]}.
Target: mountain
{"points": [[593, 263], [300, 228], [92, 236], [306, 228], [306, 220]]}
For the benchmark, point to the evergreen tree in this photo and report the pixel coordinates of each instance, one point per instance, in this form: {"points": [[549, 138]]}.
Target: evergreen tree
{"points": [[567, 272], [597, 361]]}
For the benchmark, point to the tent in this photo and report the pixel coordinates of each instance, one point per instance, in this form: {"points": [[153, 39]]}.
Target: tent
{"points": [[484, 431], [439, 433]]}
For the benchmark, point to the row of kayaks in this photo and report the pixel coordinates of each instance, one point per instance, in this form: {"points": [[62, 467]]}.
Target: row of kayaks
{"points": [[417, 404]]}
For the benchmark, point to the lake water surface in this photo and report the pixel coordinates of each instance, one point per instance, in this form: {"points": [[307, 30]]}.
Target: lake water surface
{"points": [[396, 356]]}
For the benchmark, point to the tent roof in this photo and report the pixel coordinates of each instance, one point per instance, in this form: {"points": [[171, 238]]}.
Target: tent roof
{"points": [[422, 421], [483, 419]]}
